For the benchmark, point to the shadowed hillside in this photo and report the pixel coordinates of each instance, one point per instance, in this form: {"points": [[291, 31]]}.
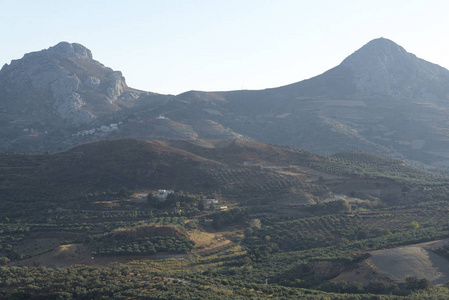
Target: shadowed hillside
{"points": [[240, 170]]}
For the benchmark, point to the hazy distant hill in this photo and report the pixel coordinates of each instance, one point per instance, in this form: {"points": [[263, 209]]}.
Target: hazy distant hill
{"points": [[381, 99]]}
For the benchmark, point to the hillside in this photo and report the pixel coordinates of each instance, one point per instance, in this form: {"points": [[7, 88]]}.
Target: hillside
{"points": [[102, 166], [79, 223], [244, 171], [381, 99]]}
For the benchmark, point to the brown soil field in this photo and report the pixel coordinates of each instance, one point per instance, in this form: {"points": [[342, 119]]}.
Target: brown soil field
{"points": [[416, 260], [397, 263]]}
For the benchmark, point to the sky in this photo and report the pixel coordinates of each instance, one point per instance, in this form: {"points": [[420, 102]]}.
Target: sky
{"points": [[169, 47]]}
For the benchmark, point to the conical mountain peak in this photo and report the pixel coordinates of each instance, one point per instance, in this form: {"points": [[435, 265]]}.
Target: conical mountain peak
{"points": [[379, 50], [383, 68]]}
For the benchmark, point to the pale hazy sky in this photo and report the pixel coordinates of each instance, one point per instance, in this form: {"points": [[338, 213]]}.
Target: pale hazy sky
{"points": [[169, 46]]}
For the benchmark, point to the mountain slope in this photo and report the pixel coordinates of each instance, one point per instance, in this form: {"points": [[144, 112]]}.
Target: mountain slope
{"points": [[47, 95], [380, 69], [381, 99], [77, 87], [383, 68]]}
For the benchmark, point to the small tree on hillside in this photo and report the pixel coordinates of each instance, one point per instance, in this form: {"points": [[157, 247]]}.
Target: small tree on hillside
{"points": [[413, 283], [413, 225], [255, 223]]}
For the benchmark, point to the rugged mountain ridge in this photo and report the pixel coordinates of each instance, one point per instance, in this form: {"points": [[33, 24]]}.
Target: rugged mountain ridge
{"points": [[381, 99]]}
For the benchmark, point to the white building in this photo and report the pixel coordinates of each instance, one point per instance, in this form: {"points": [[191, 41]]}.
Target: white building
{"points": [[162, 194]]}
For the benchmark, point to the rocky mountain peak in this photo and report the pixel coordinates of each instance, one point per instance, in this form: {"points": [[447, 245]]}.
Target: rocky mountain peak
{"points": [[381, 50], [66, 77], [71, 50], [383, 68]]}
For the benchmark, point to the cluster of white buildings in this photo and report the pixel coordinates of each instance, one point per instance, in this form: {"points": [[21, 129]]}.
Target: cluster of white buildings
{"points": [[103, 130]]}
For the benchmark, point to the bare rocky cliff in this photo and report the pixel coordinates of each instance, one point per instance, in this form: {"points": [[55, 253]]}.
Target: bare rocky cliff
{"points": [[76, 86]]}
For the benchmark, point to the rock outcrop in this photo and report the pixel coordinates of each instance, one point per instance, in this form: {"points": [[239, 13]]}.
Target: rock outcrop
{"points": [[70, 80], [65, 49], [116, 86]]}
